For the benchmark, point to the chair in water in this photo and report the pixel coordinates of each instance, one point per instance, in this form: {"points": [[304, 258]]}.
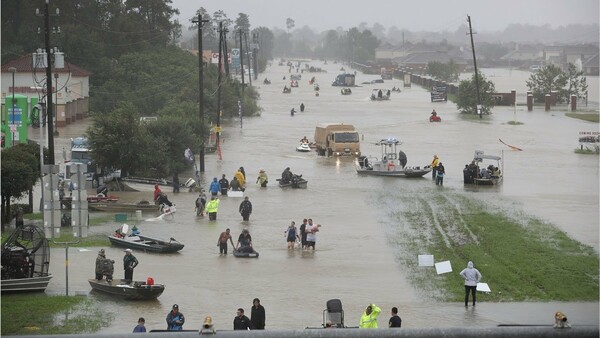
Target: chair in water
{"points": [[333, 316]]}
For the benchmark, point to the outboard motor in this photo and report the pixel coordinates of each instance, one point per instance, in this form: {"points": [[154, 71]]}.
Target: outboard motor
{"points": [[334, 314], [363, 161], [102, 190]]}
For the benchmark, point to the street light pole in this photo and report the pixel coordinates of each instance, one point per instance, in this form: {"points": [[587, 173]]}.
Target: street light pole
{"points": [[49, 83], [200, 23], [13, 70]]}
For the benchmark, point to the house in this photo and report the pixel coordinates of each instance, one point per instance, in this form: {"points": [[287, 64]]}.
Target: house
{"points": [[70, 88], [590, 65]]}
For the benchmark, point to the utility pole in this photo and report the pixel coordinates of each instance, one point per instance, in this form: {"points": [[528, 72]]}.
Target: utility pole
{"points": [[242, 72], [475, 65], [49, 83], [200, 23], [255, 54], [219, 81], [225, 54], [248, 58]]}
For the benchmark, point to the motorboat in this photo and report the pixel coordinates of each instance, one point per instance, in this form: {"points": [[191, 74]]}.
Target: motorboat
{"points": [[145, 243], [346, 91], [303, 147], [243, 254], [25, 261], [147, 184], [286, 90], [297, 182], [123, 207], [389, 164], [134, 290], [380, 95], [435, 118], [294, 83], [480, 172]]}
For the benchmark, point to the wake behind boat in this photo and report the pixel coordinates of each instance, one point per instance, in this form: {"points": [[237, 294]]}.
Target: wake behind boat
{"points": [[392, 163], [136, 290]]}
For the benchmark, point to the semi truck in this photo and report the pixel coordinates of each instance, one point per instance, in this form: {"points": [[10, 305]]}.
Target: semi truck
{"points": [[337, 139]]}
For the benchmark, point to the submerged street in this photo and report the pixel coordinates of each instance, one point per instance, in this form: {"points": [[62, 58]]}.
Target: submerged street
{"points": [[355, 260]]}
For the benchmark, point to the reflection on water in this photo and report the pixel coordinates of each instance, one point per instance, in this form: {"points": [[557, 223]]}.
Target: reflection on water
{"points": [[354, 261]]}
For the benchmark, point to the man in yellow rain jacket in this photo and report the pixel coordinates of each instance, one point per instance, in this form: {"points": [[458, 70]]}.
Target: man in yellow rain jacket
{"points": [[368, 320], [242, 179], [211, 208], [434, 165]]}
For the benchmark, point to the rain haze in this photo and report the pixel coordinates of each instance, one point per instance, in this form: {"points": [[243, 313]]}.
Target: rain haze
{"points": [[432, 16]]}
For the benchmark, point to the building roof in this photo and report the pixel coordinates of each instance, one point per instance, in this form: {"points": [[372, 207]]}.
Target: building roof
{"points": [[426, 57], [24, 64]]}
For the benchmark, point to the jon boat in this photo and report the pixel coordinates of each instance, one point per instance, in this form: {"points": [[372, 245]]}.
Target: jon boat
{"points": [[146, 184], [136, 290], [303, 147], [25, 261], [146, 243], [375, 95], [240, 254], [297, 183], [479, 158], [123, 207], [389, 165]]}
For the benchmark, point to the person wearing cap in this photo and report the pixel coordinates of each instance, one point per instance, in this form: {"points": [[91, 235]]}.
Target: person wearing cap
{"points": [[262, 178], [224, 185], [245, 209], [257, 316], [368, 320], [100, 264], [129, 263], [434, 165], [175, 319], [140, 327]]}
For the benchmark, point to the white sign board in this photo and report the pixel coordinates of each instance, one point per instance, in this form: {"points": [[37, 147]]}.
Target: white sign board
{"points": [[425, 260], [483, 287], [443, 267]]}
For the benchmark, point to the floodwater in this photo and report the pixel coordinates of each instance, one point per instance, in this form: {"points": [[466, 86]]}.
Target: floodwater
{"points": [[354, 260]]}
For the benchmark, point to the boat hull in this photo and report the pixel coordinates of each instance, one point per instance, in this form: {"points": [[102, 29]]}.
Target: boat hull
{"points": [[146, 244], [123, 207], [34, 284], [395, 173], [135, 290], [301, 184], [487, 181], [240, 254]]}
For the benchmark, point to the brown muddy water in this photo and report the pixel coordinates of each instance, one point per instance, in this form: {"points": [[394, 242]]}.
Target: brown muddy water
{"points": [[354, 260]]}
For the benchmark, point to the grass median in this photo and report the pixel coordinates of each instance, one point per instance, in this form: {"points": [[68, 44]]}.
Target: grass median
{"points": [[32, 314], [520, 257]]}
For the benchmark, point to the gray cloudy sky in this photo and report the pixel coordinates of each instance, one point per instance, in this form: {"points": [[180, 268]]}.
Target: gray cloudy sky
{"points": [[429, 15]]}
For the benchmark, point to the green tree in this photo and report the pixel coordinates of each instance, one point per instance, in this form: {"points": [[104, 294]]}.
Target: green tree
{"points": [[266, 40], [210, 41], [242, 22], [576, 82], [447, 72], [20, 171], [467, 95], [547, 79], [290, 24]]}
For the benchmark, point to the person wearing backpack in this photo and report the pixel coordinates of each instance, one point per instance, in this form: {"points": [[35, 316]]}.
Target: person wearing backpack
{"points": [[245, 209]]}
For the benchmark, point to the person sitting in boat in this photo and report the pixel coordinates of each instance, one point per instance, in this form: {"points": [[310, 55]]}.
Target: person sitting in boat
{"points": [[380, 94], [157, 192], [285, 89], [244, 243], [388, 93], [496, 172], [286, 176], [484, 173], [118, 233], [433, 113], [304, 140], [292, 112], [135, 231]]}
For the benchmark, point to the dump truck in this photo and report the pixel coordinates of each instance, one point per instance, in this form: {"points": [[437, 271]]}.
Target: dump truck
{"points": [[337, 140]]}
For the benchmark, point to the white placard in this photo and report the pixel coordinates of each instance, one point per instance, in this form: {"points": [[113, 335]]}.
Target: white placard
{"points": [[483, 287], [235, 194], [443, 267], [425, 260]]}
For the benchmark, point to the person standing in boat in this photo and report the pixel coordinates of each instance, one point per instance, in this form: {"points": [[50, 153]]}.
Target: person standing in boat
{"points": [[224, 185], [222, 241], [434, 165], [245, 209], [104, 267], [262, 178], [175, 319], [215, 187], [212, 207], [129, 263], [402, 158]]}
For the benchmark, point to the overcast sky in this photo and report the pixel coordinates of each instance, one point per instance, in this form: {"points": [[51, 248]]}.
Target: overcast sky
{"points": [[428, 15]]}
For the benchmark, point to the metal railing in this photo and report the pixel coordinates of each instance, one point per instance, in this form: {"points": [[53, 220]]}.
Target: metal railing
{"points": [[499, 332]]}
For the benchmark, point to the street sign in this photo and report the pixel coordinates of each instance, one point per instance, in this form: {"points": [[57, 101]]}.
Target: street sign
{"points": [[235, 53]]}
